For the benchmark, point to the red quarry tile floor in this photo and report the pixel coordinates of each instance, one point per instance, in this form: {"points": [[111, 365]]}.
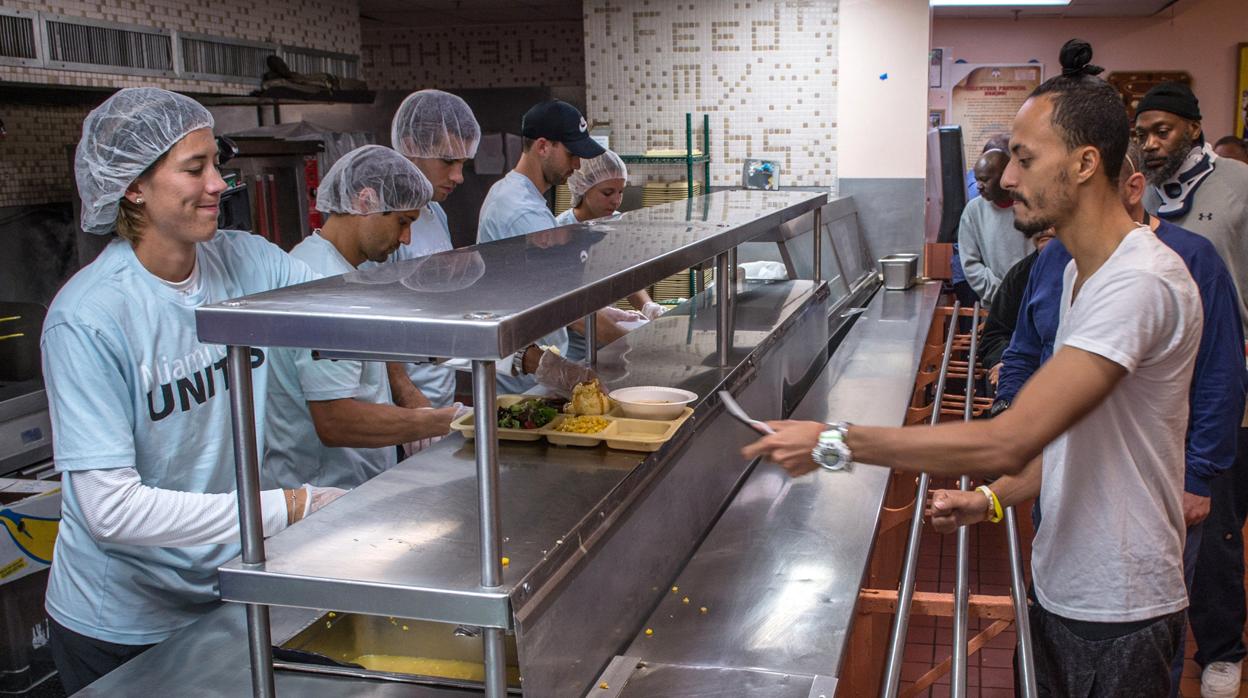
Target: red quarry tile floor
{"points": [[990, 672]]}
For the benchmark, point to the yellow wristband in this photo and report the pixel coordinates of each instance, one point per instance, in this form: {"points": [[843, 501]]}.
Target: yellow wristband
{"points": [[994, 513]]}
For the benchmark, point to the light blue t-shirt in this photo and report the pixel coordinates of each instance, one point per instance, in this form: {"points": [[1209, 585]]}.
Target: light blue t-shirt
{"points": [[515, 207], [568, 217], [130, 385], [293, 453], [431, 234]]}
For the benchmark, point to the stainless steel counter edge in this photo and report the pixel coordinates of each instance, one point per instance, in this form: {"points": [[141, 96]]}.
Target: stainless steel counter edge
{"points": [[487, 300], [587, 531], [469, 603], [779, 572]]}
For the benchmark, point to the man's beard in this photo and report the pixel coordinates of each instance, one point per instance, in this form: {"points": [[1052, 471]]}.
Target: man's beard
{"points": [[1032, 228], [1062, 199], [553, 175], [1170, 168]]}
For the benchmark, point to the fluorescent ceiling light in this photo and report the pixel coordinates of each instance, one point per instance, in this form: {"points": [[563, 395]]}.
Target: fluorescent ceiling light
{"points": [[996, 3]]}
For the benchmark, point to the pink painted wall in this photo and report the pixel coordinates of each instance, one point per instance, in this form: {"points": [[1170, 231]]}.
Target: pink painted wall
{"points": [[1199, 36]]}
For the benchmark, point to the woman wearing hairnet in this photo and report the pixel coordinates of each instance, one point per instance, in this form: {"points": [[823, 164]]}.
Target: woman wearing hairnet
{"points": [[597, 190], [140, 408]]}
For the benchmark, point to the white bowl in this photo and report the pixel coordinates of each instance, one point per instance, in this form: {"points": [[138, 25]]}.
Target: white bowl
{"points": [[652, 401]]}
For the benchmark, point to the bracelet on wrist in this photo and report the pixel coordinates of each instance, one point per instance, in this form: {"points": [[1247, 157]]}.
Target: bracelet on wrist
{"points": [[995, 514]]}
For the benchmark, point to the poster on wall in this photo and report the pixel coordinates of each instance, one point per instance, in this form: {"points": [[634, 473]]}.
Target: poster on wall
{"points": [[1134, 85], [1241, 92], [984, 99]]}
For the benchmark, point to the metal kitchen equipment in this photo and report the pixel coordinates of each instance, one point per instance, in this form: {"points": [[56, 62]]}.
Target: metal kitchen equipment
{"points": [[598, 536], [891, 682], [532, 285], [899, 270]]}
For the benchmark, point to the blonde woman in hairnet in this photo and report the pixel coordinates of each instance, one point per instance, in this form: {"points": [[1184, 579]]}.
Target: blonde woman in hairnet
{"points": [[140, 408], [597, 190]]}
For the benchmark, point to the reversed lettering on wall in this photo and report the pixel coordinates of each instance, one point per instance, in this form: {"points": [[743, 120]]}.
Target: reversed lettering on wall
{"points": [[765, 72]]}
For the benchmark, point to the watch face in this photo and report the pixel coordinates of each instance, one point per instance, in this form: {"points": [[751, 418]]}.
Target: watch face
{"points": [[834, 456]]}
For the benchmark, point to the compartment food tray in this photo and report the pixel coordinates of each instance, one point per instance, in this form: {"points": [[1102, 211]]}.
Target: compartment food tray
{"points": [[621, 433]]}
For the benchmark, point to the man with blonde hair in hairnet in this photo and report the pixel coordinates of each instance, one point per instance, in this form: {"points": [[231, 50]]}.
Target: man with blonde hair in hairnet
{"points": [[337, 423], [140, 407]]}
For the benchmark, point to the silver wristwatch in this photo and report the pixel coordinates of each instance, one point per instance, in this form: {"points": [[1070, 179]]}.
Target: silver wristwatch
{"points": [[517, 361], [830, 452]]}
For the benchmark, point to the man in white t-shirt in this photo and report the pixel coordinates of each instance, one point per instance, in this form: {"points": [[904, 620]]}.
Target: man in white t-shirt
{"points": [[1108, 411], [337, 423]]}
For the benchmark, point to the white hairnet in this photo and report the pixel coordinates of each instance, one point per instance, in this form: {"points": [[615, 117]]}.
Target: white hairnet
{"points": [[453, 270], [372, 179], [435, 124], [123, 137], [595, 171]]}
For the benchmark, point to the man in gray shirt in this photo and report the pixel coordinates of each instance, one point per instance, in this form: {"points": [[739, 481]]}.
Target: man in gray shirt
{"points": [[1190, 186], [987, 240]]}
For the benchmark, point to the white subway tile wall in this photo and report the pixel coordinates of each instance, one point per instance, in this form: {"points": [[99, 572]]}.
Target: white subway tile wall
{"points": [[33, 166], [765, 72], [503, 55]]}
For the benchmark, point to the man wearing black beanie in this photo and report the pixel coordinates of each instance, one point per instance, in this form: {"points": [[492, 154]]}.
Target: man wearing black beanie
{"points": [[1195, 189]]}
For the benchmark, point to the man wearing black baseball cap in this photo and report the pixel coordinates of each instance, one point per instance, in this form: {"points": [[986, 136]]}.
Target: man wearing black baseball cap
{"points": [[556, 137], [1193, 188]]}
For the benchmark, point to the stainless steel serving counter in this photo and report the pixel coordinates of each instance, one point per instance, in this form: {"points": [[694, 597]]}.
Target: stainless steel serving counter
{"points": [[779, 574], [487, 301], [779, 571]]}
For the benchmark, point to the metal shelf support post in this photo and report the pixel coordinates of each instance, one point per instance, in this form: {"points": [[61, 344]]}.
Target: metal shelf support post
{"points": [[486, 445], [250, 522], [723, 308]]}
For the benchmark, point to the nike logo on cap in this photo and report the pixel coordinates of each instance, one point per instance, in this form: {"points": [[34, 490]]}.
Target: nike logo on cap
{"points": [[583, 125]]}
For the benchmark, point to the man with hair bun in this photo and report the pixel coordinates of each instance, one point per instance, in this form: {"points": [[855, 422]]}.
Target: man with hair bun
{"points": [[1097, 432]]}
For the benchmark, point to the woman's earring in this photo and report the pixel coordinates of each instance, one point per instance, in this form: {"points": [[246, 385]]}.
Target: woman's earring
{"points": [[138, 200]]}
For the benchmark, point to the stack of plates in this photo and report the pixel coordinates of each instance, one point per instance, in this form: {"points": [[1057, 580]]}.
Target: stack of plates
{"points": [[672, 153], [563, 198], [676, 286], [655, 193]]}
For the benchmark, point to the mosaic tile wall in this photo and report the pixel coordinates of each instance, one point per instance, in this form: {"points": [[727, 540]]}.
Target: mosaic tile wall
{"points": [[504, 55], [765, 72]]}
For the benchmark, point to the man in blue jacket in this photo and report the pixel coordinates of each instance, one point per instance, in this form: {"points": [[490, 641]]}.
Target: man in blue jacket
{"points": [[1218, 383]]}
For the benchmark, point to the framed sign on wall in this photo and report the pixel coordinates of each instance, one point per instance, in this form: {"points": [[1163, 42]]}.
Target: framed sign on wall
{"points": [[1133, 85]]}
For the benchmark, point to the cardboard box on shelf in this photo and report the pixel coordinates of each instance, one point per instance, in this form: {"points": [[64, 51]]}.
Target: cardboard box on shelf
{"points": [[30, 512]]}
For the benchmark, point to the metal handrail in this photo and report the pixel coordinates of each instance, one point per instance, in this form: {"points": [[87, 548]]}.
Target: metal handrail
{"points": [[905, 592], [962, 586], [1022, 622]]}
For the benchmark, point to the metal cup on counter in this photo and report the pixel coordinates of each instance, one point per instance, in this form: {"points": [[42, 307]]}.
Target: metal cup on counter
{"points": [[899, 270]]}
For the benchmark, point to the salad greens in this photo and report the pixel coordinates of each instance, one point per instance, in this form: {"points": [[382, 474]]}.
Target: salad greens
{"points": [[533, 413]]}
